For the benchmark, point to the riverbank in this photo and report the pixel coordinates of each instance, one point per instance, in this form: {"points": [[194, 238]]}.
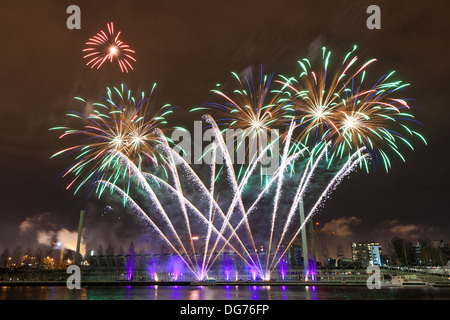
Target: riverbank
{"points": [[196, 283]]}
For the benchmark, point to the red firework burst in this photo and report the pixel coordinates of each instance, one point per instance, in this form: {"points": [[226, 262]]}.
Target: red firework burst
{"points": [[107, 46]]}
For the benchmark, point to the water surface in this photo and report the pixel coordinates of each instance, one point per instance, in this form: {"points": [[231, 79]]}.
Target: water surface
{"points": [[222, 293]]}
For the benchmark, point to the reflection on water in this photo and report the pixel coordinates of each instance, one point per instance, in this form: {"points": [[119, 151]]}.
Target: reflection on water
{"points": [[220, 293], [311, 293]]}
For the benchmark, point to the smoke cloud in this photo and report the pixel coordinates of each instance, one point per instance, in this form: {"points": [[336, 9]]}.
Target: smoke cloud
{"points": [[68, 240], [45, 237], [342, 226], [47, 233], [409, 231]]}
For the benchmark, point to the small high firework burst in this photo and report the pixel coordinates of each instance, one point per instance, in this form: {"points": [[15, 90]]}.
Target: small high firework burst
{"points": [[106, 46]]}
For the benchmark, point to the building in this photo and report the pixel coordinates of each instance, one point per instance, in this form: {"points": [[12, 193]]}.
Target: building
{"points": [[418, 253], [295, 257], [367, 253]]}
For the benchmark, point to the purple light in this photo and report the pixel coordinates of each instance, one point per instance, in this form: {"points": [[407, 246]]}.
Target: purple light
{"points": [[283, 290], [227, 265], [129, 266], [312, 269], [314, 292], [282, 272], [283, 267], [311, 273], [176, 264]]}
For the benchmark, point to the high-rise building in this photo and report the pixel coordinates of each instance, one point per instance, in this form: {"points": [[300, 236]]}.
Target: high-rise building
{"points": [[367, 253], [295, 255], [418, 253]]}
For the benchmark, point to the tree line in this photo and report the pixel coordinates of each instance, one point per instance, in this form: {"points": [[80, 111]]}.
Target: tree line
{"points": [[424, 252]]}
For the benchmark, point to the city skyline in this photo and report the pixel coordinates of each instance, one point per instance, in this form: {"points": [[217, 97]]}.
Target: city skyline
{"points": [[363, 254], [323, 248]]}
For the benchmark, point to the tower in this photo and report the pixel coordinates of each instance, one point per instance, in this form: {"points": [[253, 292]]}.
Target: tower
{"points": [[80, 230], [304, 241]]}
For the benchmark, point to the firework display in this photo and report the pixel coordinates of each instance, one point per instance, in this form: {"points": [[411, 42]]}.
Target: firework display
{"points": [[324, 115], [106, 46]]}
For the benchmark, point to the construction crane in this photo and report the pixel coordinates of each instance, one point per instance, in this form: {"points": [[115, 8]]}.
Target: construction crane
{"points": [[315, 233]]}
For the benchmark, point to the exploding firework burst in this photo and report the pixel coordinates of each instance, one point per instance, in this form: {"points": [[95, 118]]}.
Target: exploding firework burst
{"points": [[121, 126], [106, 46], [338, 107], [253, 109]]}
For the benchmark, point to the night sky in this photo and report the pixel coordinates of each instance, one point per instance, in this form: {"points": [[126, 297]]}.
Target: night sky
{"points": [[186, 47]]}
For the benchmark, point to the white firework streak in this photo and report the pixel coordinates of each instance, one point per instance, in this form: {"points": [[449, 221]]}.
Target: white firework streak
{"points": [[205, 192], [211, 191], [299, 193], [231, 178], [153, 197], [279, 185], [177, 182], [197, 212], [238, 196], [348, 167], [134, 205], [263, 192], [248, 173]]}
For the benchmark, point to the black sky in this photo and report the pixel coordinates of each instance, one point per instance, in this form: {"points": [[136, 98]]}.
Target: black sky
{"points": [[189, 46]]}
